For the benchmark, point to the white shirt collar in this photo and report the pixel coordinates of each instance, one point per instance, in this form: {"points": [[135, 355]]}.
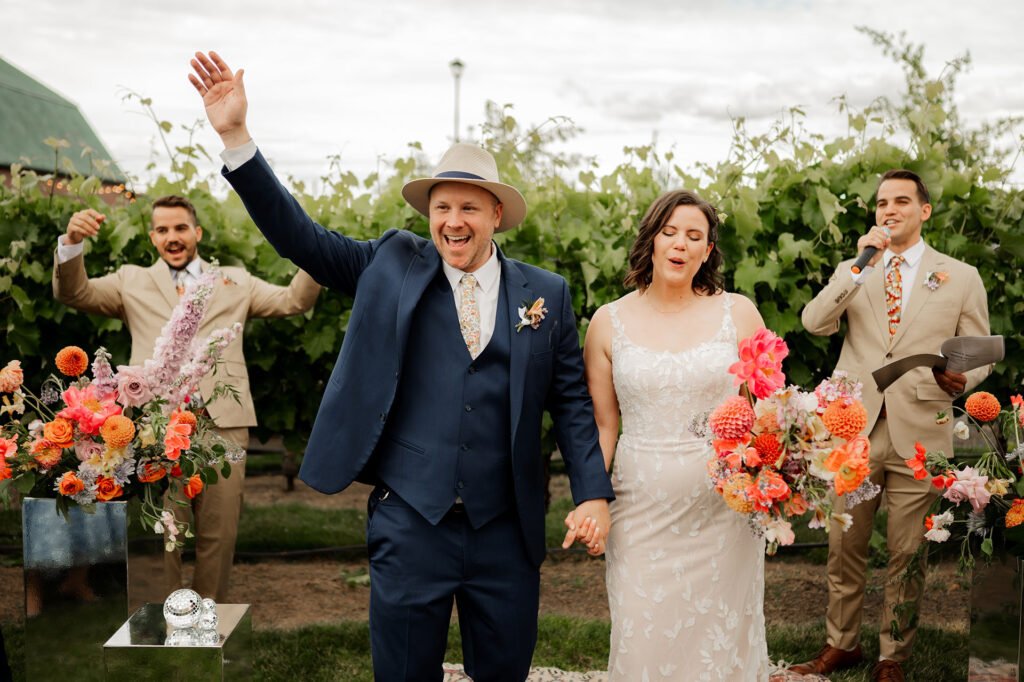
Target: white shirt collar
{"points": [[486, 275], [911, 256], [194, 268]]}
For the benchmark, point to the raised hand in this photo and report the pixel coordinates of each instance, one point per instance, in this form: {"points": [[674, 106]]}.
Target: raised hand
{"points": [[223, 96], [877, 237], [83, 224]]}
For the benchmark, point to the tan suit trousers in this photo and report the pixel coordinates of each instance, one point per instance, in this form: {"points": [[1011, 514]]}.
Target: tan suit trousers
{"points": [[907, 500], [214, 515]]}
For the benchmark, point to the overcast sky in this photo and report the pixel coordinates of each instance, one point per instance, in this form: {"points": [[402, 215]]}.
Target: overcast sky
{"points": [[364, 79]]}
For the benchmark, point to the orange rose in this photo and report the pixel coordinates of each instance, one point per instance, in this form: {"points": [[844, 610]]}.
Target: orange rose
{"points": [[107, 489], [72, 361], [151, 473], [60, 433], [194, 486], [70, 484]]}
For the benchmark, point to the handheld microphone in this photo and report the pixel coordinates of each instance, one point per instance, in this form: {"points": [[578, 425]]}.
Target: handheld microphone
{"points": [[862, 260], [865, 256]]}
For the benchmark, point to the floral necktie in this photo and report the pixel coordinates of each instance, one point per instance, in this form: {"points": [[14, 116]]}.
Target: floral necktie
{"points": [[894, 293], [469, 315]]}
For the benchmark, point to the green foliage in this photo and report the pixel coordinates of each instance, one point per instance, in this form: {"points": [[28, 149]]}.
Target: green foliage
{"points": [[796, 203]]}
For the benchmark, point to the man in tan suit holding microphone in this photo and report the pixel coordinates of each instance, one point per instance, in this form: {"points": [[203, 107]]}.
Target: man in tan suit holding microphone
{"points": [[144, 297], [907, 300]]}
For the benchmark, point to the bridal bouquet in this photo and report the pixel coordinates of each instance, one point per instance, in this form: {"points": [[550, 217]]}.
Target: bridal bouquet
{"points": [[985, 494], [133, 432], [789, 452]]}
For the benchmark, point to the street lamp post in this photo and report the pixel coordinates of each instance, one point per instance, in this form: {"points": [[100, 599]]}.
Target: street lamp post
{"points": [[456, 67]]}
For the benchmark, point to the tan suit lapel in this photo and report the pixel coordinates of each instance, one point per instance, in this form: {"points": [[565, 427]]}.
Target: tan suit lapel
{"points": [[875, 289], [920, 295], [161, 275]]}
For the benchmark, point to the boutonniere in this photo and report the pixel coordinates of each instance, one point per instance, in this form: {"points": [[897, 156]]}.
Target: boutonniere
{"points": [[933, 280], [531, 315]]}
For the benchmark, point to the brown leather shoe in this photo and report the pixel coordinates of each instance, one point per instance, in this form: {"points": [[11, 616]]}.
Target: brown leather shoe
{"points": [[828, 660], [887, 671]]}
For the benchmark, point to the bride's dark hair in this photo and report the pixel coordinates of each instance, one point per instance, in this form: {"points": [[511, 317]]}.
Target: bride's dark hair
{"points": [[709, 279]]}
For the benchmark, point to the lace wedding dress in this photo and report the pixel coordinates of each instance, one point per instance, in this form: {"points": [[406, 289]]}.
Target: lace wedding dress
{"points": [[685, 575]]}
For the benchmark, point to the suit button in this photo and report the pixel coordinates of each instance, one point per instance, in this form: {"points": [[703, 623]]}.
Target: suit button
{"points": [[469, 408], [383, 417], [396, 375], [460, 485]]}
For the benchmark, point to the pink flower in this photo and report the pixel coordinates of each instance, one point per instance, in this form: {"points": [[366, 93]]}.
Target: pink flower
{"points": [[132, 387], [8, 448], [780, 531], [760, 363], [11, 377], [86, 449], [969, 487], [87, 408]]}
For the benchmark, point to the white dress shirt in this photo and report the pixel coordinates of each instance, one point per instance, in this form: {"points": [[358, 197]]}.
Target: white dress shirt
{"points": [[908, 270]]}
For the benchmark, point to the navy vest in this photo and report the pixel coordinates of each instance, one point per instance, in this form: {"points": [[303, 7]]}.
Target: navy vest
{"points": [[448, 434]]}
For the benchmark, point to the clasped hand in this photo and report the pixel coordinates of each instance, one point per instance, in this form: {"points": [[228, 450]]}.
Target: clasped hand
{"points": [[589, 523]]}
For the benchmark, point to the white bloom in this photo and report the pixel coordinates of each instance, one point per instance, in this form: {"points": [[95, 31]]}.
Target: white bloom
{"points": [[845, 519], [938, 532], [805, 402], [780, 531], [937, 535], [961, 430]]}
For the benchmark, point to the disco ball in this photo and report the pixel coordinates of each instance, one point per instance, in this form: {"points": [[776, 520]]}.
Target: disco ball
{"points": [[183, 608]]}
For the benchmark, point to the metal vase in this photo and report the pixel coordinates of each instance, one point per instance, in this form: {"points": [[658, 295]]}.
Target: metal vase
{"points": [[995, 644], [76, 587]]}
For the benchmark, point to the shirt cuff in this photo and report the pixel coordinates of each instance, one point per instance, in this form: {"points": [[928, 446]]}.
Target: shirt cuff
{"points": [[69, 251], [235, 157], [858, 278]]}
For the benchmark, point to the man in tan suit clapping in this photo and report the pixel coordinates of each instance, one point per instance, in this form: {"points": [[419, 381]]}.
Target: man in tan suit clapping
{"points": [[144, 297], [908, 300]]}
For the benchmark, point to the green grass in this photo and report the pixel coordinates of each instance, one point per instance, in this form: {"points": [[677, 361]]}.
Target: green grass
{"points": [[294, 526], [325, 653]]}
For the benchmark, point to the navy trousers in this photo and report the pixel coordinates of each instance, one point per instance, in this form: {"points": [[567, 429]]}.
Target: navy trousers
{"points": [[416, 572]]}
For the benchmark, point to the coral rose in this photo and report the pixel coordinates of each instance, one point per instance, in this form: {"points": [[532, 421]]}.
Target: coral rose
{"points": [[70, 484], [11, 377], [845, 421], [118, 431], [8, 448], [768, 489], [732, 419], [983, 406], [60, 433], [194, 486], [107, 489], [72, 361]]}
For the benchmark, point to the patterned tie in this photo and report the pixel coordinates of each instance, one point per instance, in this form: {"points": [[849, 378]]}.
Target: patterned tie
{"points": [[179, 281], [894, 293], [469, 315]]}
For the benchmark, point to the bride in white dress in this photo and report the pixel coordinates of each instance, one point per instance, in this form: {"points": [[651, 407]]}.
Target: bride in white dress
{"points": [[685, 575]]}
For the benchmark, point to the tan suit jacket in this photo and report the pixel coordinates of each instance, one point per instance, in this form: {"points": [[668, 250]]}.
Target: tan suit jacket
{"points": [[958, 307], [143, 297]]}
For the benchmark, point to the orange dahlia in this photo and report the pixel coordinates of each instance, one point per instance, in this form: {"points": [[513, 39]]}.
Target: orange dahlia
{"points": [[72, 361], [983, 406], [118, 431], [1015, 514], [845, 421], [734, 492], [769, 449], [733, 418], [187, 417]]}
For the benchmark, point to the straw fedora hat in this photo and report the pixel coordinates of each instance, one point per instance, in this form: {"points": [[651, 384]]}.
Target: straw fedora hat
{"points": [[472, 165]]}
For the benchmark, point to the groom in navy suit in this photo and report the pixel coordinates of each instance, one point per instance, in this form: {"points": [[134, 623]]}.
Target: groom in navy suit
{"points": [[452, 355]]}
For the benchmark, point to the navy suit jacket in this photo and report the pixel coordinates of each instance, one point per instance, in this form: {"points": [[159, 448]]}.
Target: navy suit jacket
{"points": [[387, 276]]}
